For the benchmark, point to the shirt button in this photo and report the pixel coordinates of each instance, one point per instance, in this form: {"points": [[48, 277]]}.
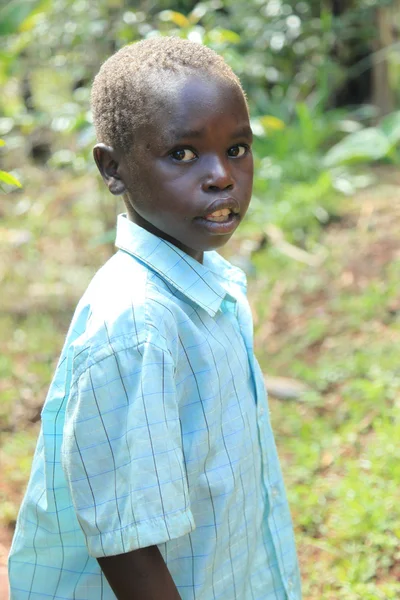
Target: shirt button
{"points": [[290, 583], [261, 411], [275, 494]]}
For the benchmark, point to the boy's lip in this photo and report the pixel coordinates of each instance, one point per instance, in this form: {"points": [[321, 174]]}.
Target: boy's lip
{"points": [[219, 227], [226, 226], [219, 204]]}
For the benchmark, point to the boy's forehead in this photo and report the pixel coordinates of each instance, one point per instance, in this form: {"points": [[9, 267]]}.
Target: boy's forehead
{"points": [[186, 104]]}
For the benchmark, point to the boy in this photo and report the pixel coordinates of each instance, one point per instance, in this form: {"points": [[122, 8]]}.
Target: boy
{"points": [[156, 474]]}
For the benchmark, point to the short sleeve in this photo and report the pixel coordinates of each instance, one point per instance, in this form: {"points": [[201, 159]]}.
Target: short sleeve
{"points": [[122, 452]]}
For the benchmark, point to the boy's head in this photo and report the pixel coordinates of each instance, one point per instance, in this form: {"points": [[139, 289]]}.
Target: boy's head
{"points": [[174, 137]]}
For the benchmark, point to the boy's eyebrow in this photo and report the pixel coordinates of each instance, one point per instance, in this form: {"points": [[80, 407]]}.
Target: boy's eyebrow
{"points": [[243, 131], [187, 133]]}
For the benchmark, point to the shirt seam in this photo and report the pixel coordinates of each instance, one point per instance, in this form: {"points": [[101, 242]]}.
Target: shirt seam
{"points": [[144, 530], [186, 510], [144, 333], [135, 346]]}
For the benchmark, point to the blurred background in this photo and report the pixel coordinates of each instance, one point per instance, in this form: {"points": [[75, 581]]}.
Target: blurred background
{"points": [[320, 245]]}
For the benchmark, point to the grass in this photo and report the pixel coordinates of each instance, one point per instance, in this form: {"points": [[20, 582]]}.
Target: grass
{"points": [[335, 327]]}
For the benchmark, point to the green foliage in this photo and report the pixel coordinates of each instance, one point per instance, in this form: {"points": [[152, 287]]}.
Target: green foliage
{"points": [[390, 126], [284, 53], [7, 177], [367, 145], [14, 14]]}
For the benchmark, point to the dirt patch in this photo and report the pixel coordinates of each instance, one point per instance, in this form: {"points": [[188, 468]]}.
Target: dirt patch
{"points": [[360, 250]]}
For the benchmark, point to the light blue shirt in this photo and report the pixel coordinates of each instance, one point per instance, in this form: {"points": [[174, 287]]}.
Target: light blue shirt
{"points": [[156, 431]]}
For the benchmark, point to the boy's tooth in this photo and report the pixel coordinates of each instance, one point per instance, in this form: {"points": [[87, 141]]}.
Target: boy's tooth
{"points": [[224, 212]]}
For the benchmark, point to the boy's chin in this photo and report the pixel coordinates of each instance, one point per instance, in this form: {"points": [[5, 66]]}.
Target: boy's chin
{"points": [[213, 242], [218, 242]]}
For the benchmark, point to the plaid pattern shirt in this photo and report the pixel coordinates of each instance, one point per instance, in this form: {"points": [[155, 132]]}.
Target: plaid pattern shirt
{"points": [[156, 431]]}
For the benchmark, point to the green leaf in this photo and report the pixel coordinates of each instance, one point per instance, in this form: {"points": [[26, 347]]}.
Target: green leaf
{"points": [[307, 126], [175, 17], [367, 145], [14, 13], [223, 36], [2, 143], [390, 126], [10, 179]]}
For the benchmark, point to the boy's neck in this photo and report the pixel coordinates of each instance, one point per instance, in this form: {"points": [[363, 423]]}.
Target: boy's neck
{"points": [[138, 220]]}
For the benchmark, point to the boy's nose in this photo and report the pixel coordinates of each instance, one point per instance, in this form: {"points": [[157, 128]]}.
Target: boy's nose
{"points": [[219, 177]]}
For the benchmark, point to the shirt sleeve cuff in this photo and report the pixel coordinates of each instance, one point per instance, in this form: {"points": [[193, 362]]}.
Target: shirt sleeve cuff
{"points": [[141, 535]]}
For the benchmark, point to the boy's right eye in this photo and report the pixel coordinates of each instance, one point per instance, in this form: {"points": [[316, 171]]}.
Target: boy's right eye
{"points": [[183, 155]]}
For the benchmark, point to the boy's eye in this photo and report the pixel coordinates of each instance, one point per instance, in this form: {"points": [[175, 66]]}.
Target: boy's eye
{"points": [[183, 155], [237, 151]]}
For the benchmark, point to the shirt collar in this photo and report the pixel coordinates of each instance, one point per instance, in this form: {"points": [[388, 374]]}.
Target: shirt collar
{"points": [[205, 284]]}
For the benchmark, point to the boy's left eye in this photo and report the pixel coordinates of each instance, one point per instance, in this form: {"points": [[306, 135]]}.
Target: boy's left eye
{"points": [[237, 151], [183, 155]]}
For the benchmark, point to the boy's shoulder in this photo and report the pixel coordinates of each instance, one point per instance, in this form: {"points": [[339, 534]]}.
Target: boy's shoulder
{"points": [[124, 306]]}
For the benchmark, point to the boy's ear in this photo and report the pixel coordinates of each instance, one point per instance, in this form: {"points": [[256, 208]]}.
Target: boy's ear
{"points": [[107, 163]]}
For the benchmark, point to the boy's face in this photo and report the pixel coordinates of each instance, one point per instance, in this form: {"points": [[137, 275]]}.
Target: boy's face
{"points": [[189, 176]]}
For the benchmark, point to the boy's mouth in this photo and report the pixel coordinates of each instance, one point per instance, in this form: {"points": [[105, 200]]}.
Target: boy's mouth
{"points": [[221, 217], [222, 210]]}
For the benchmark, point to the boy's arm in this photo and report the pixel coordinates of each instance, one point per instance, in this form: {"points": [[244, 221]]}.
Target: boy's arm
{"points": [[116, 464], [139, 575]]}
